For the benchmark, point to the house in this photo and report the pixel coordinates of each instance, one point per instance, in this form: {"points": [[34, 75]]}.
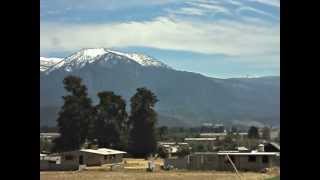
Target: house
{"points": [[54, 162], [98, 157], [73, 159], [243, 160]]}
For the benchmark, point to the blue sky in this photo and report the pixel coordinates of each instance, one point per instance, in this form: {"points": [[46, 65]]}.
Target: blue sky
{"points": [[217, 38]]}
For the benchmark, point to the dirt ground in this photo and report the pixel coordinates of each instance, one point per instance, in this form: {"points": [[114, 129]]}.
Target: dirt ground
{"points": [[135, 169]]}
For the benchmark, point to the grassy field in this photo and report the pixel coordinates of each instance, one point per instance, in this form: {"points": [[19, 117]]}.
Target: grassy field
{"points": [[142, 175], [274, 178], [135, 169]]}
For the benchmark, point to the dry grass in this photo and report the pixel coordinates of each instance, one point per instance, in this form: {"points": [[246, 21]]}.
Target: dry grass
{"points": [[142, 175], [134, 169]]}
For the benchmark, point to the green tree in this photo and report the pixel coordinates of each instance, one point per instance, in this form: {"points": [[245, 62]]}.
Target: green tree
{"points": [[253, 133], [163, 131], [229, 142], [110, 122], [74, 116], [143, 118], [45, 145]]}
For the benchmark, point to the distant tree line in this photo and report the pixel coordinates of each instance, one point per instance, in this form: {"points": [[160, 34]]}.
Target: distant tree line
{"points": [[107, 124]]}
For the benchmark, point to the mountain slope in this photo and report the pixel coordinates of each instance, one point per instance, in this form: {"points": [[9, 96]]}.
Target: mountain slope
{"points": [[47, 63], [185, 98]]}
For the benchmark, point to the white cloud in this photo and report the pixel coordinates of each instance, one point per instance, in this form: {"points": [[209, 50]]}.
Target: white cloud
{"points": [[101, 4], [188, 11], [220, 37], [275, 3], [246, 8], [210, 7], [233, 2]]}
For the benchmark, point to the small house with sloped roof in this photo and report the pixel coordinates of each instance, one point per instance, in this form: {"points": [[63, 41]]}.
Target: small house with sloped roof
{"points": [[89, 157]]}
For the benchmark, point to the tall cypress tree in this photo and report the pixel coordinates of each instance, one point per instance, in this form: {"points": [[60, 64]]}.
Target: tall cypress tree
{"points": [[253, 133], [110, 121], [143, 118], [74, 116]]}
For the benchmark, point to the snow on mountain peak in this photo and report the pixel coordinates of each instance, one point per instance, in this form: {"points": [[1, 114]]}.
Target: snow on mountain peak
{"points": [[46, 63], [85, 56], [92, 53], [142, 59], [53, 59]]}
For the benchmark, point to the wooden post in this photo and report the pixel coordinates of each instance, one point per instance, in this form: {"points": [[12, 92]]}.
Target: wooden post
{"points": [[234, 167]]}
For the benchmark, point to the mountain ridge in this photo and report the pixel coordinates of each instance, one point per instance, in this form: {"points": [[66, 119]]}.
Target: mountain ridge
{"points": [[186, 98]]}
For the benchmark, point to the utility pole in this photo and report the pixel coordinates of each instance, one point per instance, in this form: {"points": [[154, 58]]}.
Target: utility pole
{"points": [[234, 167]]}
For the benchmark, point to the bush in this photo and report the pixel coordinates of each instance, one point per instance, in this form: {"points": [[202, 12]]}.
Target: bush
{"points": [[163, 153]]}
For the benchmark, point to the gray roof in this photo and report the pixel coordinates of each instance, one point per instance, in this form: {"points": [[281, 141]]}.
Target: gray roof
{"points": [[103, 151], [199, 139], [238, 153], [276, 145]]}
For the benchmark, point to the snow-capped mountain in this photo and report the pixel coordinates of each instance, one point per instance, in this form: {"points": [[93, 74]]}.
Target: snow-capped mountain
{"points": [[46, 63], [87, 56], [185, 98]]}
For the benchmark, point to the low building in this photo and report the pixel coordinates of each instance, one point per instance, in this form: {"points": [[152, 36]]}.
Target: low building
{"points": [[221, 136], [244, 161], [218, 136], [176, 162], [220, 161], [98, 157], [73, 159]]}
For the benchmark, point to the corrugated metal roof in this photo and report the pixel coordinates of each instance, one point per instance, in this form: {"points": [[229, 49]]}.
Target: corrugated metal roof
{"points": [[275, 145], [248, 153], [242, 148], [103, 151], [49, 134], [200, 139], [213, 134], [239, 153]]}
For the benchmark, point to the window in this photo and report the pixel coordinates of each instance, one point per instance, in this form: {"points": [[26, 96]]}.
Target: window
{"points": [[68, 157], [252, 158], [105, 157], [265, 159], [52, 162]]}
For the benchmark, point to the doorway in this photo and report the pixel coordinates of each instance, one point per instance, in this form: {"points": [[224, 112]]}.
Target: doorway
{"points": [[81, 159]]}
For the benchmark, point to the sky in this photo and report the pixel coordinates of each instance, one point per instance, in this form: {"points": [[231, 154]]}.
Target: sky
{"points": [[217, 38]]}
